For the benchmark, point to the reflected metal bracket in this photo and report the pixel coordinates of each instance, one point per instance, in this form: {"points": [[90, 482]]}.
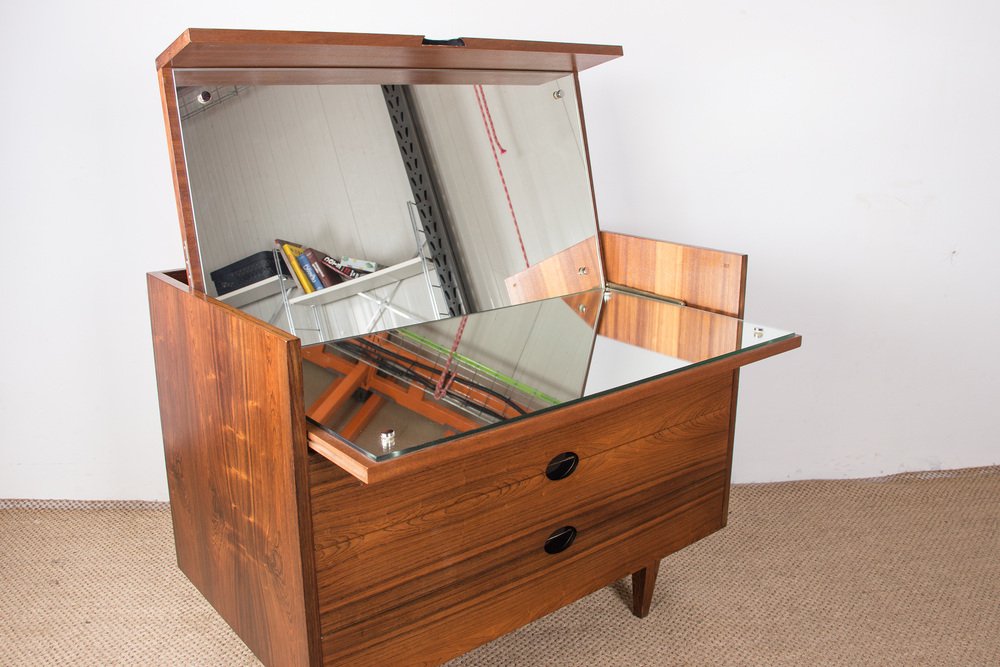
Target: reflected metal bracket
{"points": [[428, 205], [613, 287]]}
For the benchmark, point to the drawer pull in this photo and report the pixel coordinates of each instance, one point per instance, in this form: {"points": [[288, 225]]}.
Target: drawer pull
{"points": [[562, 466], [560, 540]]}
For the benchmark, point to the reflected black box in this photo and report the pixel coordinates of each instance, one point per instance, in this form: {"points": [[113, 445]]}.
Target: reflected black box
{"points": [[247, 271]]}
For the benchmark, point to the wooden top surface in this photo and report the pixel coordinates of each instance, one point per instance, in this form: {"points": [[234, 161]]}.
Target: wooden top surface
{"points": [[201, 48]]}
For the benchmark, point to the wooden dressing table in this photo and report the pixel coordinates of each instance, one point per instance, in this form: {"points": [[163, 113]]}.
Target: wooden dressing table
{"points": [[517, 410]]}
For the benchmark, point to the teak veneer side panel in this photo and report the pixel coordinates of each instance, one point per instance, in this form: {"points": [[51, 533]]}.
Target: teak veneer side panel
{"points": [[234, 443], [711, 280], [198, 47]]}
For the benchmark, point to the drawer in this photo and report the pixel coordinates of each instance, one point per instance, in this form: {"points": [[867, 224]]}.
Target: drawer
{"points": [[490, 462], [517, 581], [469, 531], [391, 556], [519, 446]]}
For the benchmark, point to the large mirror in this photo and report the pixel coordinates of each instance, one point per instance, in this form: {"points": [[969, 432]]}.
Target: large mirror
{"points": [[333, 210]]}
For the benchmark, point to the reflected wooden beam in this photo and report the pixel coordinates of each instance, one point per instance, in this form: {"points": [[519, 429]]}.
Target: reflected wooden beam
{"points": [[360, 420], [338, 393], [414, 398], [359, 375], [318, 355]]}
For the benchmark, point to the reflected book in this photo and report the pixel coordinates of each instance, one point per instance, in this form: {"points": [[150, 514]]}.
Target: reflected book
{"points": [[291, 251], [342, 270]]}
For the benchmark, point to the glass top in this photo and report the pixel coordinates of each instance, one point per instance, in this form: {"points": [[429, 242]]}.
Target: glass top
{"points": [[397, 391]]}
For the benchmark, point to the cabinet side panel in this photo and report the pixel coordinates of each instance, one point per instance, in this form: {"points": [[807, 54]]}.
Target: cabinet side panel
{"points": [[234, 443], [707, 279]]}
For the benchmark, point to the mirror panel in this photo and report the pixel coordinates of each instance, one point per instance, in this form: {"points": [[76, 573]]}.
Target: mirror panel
{"points": [[401, 390], [457, 192]]}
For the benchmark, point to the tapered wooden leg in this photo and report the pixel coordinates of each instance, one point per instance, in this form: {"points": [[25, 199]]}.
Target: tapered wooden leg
{"points": [[643, 583]]}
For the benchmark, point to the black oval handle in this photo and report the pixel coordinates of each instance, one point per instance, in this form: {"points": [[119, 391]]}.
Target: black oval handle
{"points": [[560, 540], [562, 466]]}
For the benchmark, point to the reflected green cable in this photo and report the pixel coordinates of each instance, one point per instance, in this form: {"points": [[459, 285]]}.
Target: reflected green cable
{"points": [[485, 370]]}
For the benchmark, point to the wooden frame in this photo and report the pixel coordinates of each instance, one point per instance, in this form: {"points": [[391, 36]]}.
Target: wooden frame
{"points": [[310, 57], [199, 48], [314, 553]]}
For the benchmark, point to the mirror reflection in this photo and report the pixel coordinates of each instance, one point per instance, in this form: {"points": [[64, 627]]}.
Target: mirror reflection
{"points": [[400, 390], [336, 210]]}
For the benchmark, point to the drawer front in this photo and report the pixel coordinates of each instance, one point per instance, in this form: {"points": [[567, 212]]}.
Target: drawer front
{"points": [[344, 508], [376, 571], [393, 557], [517, 582]]}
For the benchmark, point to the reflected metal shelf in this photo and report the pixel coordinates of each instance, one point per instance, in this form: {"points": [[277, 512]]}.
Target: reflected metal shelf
{"points": [[381, 278], [254, 292]]}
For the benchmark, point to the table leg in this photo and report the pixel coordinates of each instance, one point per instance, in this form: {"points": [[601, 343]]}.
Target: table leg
{"points": [[643, 583]]}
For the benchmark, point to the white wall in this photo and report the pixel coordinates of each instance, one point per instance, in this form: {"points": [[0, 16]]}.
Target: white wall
{"points": [[851, 148]]}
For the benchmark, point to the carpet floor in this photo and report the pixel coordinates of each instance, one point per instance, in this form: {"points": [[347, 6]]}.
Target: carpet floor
{"points": [[901, 570]]}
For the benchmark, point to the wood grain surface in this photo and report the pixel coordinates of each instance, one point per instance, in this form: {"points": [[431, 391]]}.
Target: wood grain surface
{"points": [[613, 541], [572, 270], [274, 48], [439, 544], [686, 333], [643, 583], [470, 530], [230, 392], [712, 280], [509, 461], [518, 450]]}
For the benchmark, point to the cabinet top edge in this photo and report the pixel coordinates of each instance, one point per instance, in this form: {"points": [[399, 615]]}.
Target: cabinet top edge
{"points": [[199, 47]]}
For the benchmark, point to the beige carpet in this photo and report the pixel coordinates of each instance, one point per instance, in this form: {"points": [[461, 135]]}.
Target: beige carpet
{"points": [[902, 570]]}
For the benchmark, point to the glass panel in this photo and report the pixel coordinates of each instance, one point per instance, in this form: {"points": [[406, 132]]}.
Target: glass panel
{"points": [[455, 197], [401, 390]]}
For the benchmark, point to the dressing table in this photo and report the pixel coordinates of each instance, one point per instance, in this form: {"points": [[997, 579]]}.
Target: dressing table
{"points": [[513, 410]]}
